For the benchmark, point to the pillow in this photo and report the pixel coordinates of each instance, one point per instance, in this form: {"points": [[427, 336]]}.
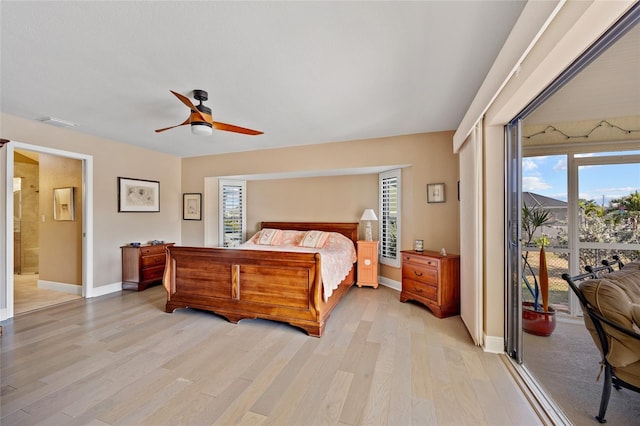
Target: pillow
{"points": [[315, 239], [269, 237]]}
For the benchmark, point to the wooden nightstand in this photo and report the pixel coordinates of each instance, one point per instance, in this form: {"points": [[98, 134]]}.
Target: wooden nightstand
{"points": [[367, 264], [143, 266], [433, 280]]}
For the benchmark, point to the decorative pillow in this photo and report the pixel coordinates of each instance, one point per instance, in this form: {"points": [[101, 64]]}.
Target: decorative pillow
{"points": [[269, 237], [315, 239]]}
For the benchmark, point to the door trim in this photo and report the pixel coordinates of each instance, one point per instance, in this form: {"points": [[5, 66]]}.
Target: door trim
{"points": [[87, 219]]}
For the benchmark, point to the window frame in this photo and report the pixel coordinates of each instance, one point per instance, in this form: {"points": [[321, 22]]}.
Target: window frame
{"points": [[382, 222]]}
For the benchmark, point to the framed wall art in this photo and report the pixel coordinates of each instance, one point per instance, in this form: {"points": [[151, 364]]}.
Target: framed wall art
{"points": [[435, 193], [192, 206], [63, 207], [138, 195]]}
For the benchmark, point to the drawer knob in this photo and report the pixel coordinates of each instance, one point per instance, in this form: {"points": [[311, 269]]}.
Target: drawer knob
{"points": [[419, 274], [418, 290]]}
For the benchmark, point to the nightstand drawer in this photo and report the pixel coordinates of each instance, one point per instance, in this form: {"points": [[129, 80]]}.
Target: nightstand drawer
{"points": [[420, 289], [421, 273], [153, 260], [152, 274], [151, 250], [428, 262]]}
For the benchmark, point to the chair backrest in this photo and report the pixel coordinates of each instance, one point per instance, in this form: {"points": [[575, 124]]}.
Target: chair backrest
{"points": [[592, 273], [594, 319], [616, 261], [597, 271]]}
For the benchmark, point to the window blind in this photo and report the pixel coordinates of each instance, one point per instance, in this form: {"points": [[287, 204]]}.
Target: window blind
{"points": [[389, 222], [232, 209]]}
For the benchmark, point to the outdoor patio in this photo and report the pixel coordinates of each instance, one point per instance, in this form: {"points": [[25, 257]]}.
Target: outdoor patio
{"points": [[567, 365]]}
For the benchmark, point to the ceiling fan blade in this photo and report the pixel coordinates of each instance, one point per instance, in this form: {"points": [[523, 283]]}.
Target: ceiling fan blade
{"points": [[187, 121], [232, 128], [188, 103]]}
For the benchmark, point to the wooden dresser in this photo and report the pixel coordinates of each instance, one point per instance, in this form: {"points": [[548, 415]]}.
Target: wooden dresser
{"points": [[143, 266], [433, 280], [367, 264]]}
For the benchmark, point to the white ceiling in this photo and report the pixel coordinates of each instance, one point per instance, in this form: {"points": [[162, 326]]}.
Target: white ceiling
{"points": [[302, 72]]}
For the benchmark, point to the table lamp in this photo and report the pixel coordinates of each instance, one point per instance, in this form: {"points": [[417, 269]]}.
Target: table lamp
{"points": [[368, 215]]}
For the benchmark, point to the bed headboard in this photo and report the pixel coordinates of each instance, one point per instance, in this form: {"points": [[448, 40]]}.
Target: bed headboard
{"points": [[348, 229]]}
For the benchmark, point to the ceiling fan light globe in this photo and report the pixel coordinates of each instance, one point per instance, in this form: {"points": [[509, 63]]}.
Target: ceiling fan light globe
{"points": [[201, 129]]}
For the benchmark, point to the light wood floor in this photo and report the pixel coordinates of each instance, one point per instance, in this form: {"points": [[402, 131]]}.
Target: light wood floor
{"points": [[28, 297], [121, 360]]}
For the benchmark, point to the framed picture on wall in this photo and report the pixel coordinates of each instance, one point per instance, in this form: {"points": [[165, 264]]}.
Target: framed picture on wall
{"points": [[138, 195], [192, 206], [63, 207], [435, 193]]}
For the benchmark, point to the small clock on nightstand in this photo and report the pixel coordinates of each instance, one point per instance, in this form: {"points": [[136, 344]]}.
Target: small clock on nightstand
{"points": [[367, 264]]}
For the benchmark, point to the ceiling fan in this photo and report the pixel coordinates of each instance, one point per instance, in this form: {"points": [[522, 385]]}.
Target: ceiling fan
{"points": [[201, 120]]}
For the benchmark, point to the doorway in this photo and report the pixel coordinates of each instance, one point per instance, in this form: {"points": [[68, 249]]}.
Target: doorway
{"points": [[577, 95], [568, 129], [41, 233], [67, 243]]}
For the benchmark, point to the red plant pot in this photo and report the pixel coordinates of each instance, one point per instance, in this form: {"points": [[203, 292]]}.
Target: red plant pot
{"points": [[538, 322]]}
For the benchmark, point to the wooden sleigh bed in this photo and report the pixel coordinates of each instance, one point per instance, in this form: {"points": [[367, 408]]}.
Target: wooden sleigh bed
{"points": [[272, 285]]}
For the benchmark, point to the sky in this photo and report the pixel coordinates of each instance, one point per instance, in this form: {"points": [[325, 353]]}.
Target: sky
{"points": [[547, 175]]}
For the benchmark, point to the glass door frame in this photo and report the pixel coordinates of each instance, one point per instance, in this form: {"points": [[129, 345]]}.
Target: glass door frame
{"points": [[513, 184]]}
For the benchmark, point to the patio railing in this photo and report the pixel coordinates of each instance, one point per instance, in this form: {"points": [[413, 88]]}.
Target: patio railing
{"points": [[558, 263]]}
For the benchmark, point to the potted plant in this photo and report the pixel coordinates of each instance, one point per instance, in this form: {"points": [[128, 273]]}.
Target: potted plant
{"points": [[537, 318]]}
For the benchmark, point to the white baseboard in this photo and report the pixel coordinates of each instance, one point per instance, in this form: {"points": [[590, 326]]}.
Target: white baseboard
{"points": [[396, 285], [105, 289], [493, 344], [63, 287], [77, 289]]}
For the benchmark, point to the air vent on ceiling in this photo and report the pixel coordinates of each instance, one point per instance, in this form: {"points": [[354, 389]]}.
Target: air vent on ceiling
{"points": [[57, 122]]}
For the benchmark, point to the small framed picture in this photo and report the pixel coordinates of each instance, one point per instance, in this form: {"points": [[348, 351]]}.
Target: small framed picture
{"points": [[138, 195], [192, 206], [435, 193], [63, 207]]}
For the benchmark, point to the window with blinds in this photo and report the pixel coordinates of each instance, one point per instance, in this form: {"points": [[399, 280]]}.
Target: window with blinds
{"points": [[232, 212], [389, 221]]}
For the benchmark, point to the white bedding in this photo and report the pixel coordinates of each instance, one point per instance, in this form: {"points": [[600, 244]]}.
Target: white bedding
{"points": [[338, 254]]}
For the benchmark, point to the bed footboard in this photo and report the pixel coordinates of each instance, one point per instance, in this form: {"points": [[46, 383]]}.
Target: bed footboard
{"points": [[238, 284]]}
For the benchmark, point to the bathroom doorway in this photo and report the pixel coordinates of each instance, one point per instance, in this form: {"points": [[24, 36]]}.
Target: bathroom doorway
{"points": [[65, 257], [47, 247]]}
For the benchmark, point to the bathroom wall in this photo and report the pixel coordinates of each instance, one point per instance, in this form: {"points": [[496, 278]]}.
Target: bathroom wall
{"points": [[26, 231], [60, 240]]}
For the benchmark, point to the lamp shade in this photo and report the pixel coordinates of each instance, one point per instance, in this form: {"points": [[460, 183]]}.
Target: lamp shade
{"points": [[202, 129], [369, 214]]}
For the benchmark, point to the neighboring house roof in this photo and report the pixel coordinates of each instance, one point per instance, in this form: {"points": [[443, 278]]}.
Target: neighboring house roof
{"points": [[557, 208], [532, 200]]}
